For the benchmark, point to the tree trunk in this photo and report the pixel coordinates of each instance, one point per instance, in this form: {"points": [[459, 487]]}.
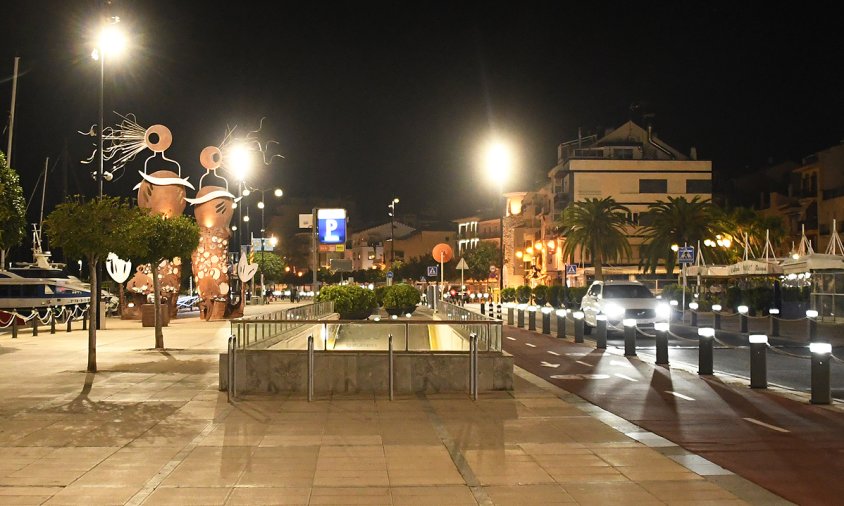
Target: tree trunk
{"points": [[92, 318], [598, 262], [156, 287]]}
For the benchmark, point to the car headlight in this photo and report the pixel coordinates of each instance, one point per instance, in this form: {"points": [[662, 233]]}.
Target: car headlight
{"points": [[663, 310], [613, 311]]}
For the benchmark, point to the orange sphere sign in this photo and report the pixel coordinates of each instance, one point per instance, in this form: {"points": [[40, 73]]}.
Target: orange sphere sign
{"points": [[442, 252]]}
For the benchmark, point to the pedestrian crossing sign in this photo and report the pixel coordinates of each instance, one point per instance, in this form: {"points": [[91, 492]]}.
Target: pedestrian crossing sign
{"points": [[571, 269], [686, 255]]}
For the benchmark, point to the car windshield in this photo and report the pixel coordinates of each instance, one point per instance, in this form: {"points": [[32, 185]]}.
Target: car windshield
{"points": [[627, 292]]}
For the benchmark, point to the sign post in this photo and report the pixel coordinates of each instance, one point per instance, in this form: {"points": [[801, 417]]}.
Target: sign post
{"points": [[685, 256], [330, 228], [462, 266]]}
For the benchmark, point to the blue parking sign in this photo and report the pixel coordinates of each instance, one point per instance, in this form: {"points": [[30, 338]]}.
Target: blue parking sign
{"points": [[331, 226]]}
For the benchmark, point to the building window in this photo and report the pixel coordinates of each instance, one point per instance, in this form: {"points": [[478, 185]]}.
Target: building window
{"points": [[623, 153], [653, 186], [698, 186]]}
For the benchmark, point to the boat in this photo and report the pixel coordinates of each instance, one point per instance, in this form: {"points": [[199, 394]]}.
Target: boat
{"points": [[41, 283]]}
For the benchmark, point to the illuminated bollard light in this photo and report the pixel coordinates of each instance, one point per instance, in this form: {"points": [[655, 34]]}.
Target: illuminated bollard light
{"points": [[578, 326], [758, 361], [743, 317], [773, 322], [661, 343], [601, 331], [520, 318], [546, 319], [561, 323], [531, 317], [498, 312], [483, 309], [693, 306], [629, 337], [716, 311], [821, 389], [812, 324], [511, 309], [706, 336], [673, 304]]}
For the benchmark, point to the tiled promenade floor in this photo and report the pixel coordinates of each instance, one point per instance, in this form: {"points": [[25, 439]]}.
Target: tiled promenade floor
{"points": [[151, 428]]}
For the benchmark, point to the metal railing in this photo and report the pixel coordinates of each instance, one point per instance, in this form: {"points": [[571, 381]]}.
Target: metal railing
{"points": [[489, 333], [254, 330]]}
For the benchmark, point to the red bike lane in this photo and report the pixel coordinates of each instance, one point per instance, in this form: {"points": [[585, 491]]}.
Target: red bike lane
{"points": [[791, 448]]}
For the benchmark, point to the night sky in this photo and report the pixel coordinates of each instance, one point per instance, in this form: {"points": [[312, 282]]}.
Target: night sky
{"points": [[375, 100]]}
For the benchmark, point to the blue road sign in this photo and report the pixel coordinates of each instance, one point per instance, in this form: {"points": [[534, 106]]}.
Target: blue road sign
{"points": [[433, 270], [331, 226], [389, 274], [571, 269], [686, 255]]}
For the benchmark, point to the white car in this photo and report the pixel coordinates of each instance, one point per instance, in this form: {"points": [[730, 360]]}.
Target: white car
{"points": [[619, 300]]}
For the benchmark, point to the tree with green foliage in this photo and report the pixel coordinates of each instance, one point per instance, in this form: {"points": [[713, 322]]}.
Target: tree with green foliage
{"points": [[271, 265], [12, 209], [352, 302], [480, 258], [596, 227], [163, 239], [676, 222], [89, 230]]}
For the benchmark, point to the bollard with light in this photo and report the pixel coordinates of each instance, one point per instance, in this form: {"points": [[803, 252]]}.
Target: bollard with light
{"points": [[694, 306], [578, 326], [511, 308], [743, 317], [706, 336], [716, 311], [601, 331], [546, 319], [812, 324], [629, 337], [773, 322], [532, 317], [520, 315], [673, 305], [758, 361], [661, 342], [821, 386], [561, 323]]}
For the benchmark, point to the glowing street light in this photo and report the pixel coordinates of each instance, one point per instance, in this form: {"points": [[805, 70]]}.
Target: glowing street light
{"points": [[498, 163]]}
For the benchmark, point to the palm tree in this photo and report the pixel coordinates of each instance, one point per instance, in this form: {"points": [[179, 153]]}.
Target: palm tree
{"points": [[676, 222], [596, 226], [757, 226]]}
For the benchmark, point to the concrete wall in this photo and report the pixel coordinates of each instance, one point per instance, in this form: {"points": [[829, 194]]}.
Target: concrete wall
{"points": [[284, 371]]}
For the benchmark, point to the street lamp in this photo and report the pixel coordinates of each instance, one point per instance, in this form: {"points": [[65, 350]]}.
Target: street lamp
{"points": [[273, 241], [498, 162], [392, 214]]}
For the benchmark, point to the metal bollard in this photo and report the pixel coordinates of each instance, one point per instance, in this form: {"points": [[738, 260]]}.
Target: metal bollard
{"points": [[773, 322], [483, 309], [310, 368], [578, 326], [531, 317], [601, 331], [673, 305], [758, 361], [546, 319], [35, 323], [693, 309], [69, 322], [716, 310], [84, 321], [390, 365], [812, 324], [629, 337], [661, 343], [520, 315], [561, 323], [743, 318], [705, 345], [498, 312], [473, 366], [52, 321], [510, 315], [821, 389], [14, 326]]}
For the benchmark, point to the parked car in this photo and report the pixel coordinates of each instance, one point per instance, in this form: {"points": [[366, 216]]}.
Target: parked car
{"points": [[620, 300]]}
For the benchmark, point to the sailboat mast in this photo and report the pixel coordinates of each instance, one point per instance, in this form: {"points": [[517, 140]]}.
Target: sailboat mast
{"points": [[12, 112], [44, 191]]}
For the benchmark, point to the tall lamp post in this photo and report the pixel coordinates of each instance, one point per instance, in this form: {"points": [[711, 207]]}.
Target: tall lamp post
{"points": [[392, 213], [498, 164], [110, 41], [277, 192]]}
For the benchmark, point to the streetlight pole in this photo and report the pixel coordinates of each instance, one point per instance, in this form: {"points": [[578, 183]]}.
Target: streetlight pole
{"points": [[392, 207], [498, 161], [503, 203]]}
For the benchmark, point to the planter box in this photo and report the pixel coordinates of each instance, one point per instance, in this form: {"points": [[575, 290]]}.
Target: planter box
{"points": [[148, 315]]}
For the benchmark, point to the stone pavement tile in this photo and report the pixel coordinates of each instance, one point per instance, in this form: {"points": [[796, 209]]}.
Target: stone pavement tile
{"points": [[349, 440], [265, 496], [74, 495], [577, 475], [747, 490], [505, 468], [188, 496], [645, 473], [557, 461], [27, 495], [611, 494], [342, 496], [672, 491], [421, 465], [423, 496], [555, 448], [518, 495]]}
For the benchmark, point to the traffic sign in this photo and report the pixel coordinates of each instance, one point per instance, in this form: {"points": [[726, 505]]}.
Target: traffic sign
{"points": [[433, 271], [462, 264], [686, 255], [571, 269], [331, 226], [389, 274]]}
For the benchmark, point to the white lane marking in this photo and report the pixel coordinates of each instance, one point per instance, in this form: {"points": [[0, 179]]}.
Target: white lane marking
{"points": [[575, 354], [511, 338], [546, 364], [763, 424], [675, 394], [622, 376], [622, 364], [579, 376], [584, 363], [531, 345], [554, 353]]}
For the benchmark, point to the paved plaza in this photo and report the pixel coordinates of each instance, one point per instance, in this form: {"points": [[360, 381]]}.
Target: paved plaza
{"points": [[152, 428]]}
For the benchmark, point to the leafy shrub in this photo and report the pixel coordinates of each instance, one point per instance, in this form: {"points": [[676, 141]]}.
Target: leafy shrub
{"points": [[508, 295], [555, 295], [400, 296], [540, 294], [379, 295], [523, 294], [352, 302], [575, 295]]}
